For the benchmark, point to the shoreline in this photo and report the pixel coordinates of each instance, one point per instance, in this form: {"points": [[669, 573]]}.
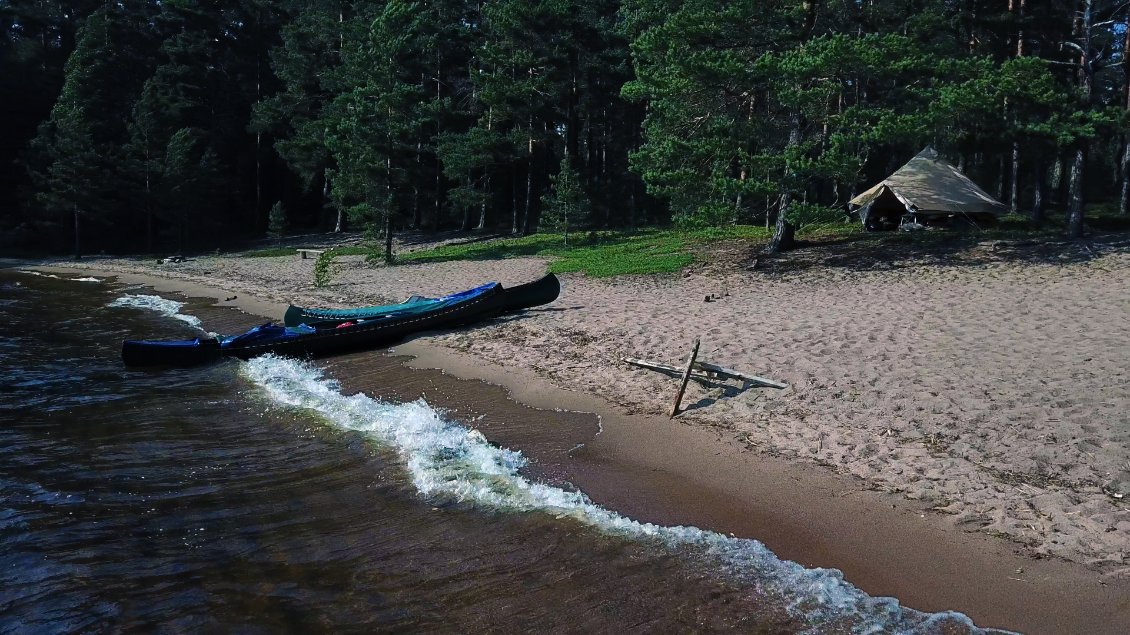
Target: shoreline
{"points": [[670, 472]]}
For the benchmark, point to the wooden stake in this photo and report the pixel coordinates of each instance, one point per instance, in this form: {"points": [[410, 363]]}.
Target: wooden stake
{"points": [[686, 378]]}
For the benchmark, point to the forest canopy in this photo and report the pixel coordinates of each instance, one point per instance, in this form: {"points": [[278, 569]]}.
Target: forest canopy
{"points": [[145, 126]]}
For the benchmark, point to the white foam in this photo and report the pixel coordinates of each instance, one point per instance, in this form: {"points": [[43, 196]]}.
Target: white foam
{"points": [[40, 274], [51, 275], [164, 306], [448, 461]]}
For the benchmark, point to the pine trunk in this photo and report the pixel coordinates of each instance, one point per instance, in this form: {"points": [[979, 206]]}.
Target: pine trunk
{"points": [[466, 224], [1086, 84], [1014, 179], [529, 194], [388, 237], [1001, 175], [1075, 195], [784, 232], [1124, 198], [529, 172], [1056, 185], [1037, 213], [483, 209], [339, 224], [148, 206], [514, 201], [439, 196], [78, 243], [1124, 164]]}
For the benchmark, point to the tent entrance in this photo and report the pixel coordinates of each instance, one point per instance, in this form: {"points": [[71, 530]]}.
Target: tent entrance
{"points": [[884, 213]]}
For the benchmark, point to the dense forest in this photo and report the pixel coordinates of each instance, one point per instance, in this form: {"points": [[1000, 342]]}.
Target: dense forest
{"points": [[149, 126]]}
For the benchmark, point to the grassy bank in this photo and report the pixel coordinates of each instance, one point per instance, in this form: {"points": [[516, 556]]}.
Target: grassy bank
{"points": [[649, 251], [597, 254]]}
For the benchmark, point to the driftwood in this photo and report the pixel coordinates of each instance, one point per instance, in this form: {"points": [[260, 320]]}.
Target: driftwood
{"points": [[686, 378], [709, 372], [701, 371], [733, 374]]}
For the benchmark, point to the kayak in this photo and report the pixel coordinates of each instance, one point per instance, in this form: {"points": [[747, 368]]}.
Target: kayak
{"points": [[415, 305], [319, 332], [523, 296], [322, 337]]}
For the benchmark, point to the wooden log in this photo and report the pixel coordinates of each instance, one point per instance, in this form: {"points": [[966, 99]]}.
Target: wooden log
{"points": [[710, 371], [643, 363], [686, 378], [729, 372], [671, 370]]}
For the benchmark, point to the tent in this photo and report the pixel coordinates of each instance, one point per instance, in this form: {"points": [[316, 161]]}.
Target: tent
{"points": [[930, 192]]}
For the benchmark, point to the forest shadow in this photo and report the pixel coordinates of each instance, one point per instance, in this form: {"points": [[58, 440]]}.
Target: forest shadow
{"points": [[890, 251]]}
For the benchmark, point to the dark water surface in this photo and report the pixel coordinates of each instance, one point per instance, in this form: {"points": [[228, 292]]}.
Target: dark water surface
{"points": [[258, 497]]}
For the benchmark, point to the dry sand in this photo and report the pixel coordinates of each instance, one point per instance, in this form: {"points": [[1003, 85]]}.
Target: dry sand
{"points": [[995, 391]]}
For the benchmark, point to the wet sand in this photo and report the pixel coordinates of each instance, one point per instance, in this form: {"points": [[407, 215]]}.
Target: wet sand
{"points": [[656, 470]]}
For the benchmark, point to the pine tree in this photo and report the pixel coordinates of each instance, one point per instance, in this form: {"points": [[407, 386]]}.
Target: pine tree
{"points": [[73, 185], [567, 205], [305, 63], [373, 124], [276, 225]]}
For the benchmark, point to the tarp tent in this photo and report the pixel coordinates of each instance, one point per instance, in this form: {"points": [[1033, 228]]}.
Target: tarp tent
{"points": [[930, 191]]}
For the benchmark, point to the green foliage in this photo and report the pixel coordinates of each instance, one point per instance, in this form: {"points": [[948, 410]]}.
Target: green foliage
{"points": [[567, 205], [276, 220], [180, 122], [600, 254], [805, 214], [370, 126], [325, 268], [81, 175]]}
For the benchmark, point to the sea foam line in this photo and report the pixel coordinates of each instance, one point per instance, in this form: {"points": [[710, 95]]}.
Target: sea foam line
{"points": [[446, 460], [164, 306], [40, 274]]}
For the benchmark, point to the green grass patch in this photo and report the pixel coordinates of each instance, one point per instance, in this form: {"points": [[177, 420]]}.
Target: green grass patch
{"points": [[819, 232], [353, 250], [597, 254]]}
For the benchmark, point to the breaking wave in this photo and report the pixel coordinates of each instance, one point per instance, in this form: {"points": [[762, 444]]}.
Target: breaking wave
{"points": [[40, 274], [164, 306], [450, 462]]}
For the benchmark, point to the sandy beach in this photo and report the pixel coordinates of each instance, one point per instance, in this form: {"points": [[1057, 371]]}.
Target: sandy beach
{"points": [[987, 397]]}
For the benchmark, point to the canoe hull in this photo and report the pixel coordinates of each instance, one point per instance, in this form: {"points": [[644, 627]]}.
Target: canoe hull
{"points": [[379, 333], [413, 306], [536, 293], [324, 341], [521, 297], [170, 352]]}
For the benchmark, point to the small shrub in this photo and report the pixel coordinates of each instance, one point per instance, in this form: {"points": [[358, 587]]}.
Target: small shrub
{"points": [[276, 221], [567, 205], [325, 268]]}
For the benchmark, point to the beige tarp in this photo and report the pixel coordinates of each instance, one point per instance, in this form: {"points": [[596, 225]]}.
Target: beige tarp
{"points": [[930, 185]]}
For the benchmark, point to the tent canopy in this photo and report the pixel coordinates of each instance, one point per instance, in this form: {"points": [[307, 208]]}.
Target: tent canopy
{"points": [[930, 186]]}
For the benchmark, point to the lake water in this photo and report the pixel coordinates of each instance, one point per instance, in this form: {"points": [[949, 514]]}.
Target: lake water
{"points": [[256, 496]]}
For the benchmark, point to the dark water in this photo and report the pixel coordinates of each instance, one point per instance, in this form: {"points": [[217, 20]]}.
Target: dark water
{"points": [[257, 497]]}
